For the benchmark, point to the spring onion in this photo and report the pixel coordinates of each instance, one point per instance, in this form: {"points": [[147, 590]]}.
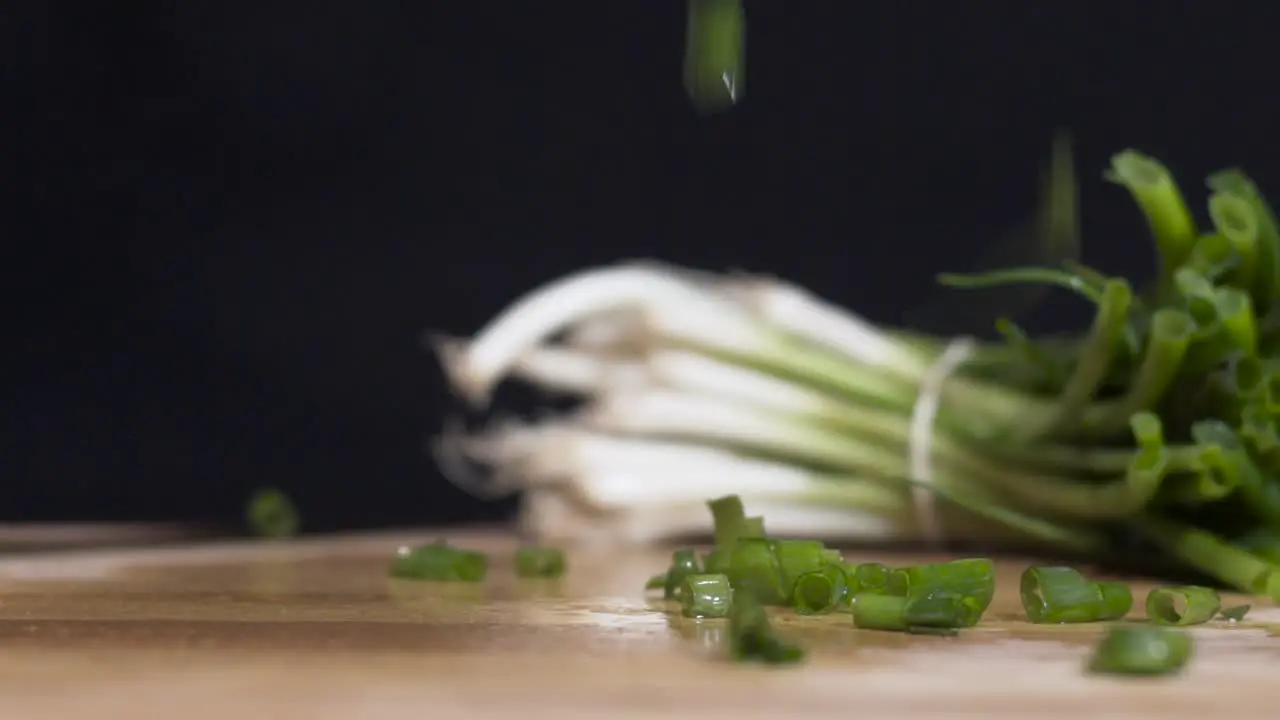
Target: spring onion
{"points": [[751, 635], [705, 596], [683, 564], [1186, 605], [1141, 650], [1234, 613], [1155, 430], [819, 591], [439, 561], [539, 562], [1063, 595], [271, 514]]}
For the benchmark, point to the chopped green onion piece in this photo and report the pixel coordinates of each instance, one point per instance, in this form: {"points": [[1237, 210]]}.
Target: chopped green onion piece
{"points": [[819, 591], [1118, 599], [271, 514], [1186, 605], [657, 582], [943, 609], [1061, 595], [1141, 650], [1235, 613], [973, 578], [751, 636], [833, 557], [753, 569], [873, 611], [439, 562], [897, 583], [705, 596], [795, 558], [539, 562], [683, 564], [866, 577]]}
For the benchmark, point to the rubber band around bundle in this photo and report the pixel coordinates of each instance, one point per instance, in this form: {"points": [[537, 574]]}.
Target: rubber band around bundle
{"points": [[920, 438]]}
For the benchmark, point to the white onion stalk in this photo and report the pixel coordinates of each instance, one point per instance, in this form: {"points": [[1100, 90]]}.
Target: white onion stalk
{"points": [[699, 387]]}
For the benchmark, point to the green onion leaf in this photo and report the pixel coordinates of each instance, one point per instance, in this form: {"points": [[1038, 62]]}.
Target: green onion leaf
{"points": [[657, 582], [1186, 605], [819, 591], [705, 596], [1141, 650], [439, 562], [683, 564], [1154, 189], [1061, 595], [539, 562]]}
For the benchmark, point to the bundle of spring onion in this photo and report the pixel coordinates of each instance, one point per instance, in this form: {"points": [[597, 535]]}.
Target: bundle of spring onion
{"points": [[1155, 428]]}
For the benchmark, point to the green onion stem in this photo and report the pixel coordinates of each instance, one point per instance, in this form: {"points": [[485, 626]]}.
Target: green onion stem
{"points": [[1157, 194]]}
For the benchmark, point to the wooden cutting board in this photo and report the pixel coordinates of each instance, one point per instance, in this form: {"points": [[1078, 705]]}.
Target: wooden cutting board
{"points": [[314, 629]]}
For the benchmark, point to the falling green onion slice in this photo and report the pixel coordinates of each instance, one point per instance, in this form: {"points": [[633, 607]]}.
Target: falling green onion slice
{"points": [[683, 564], [705, 596], [1118, 599], [727, 518], [751, 636], [439, 562], [1186, 605], [1141, 650], [1061, 595], [819, 591], [1235, 613], [271, 514], [714, 59], [539, 562]]}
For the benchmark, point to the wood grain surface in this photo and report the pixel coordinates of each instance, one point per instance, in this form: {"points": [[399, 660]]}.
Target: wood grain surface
{"points": [[315, 629]]}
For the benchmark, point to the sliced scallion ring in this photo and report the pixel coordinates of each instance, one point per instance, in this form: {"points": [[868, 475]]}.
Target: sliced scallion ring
{"points": [[1186, 605]]}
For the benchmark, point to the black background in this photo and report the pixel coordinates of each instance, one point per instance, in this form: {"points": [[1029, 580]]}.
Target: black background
{"points": [[235, 221]]}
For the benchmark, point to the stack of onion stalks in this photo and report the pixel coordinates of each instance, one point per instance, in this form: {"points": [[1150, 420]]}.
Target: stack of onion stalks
{"points": [[1152, 431]]}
